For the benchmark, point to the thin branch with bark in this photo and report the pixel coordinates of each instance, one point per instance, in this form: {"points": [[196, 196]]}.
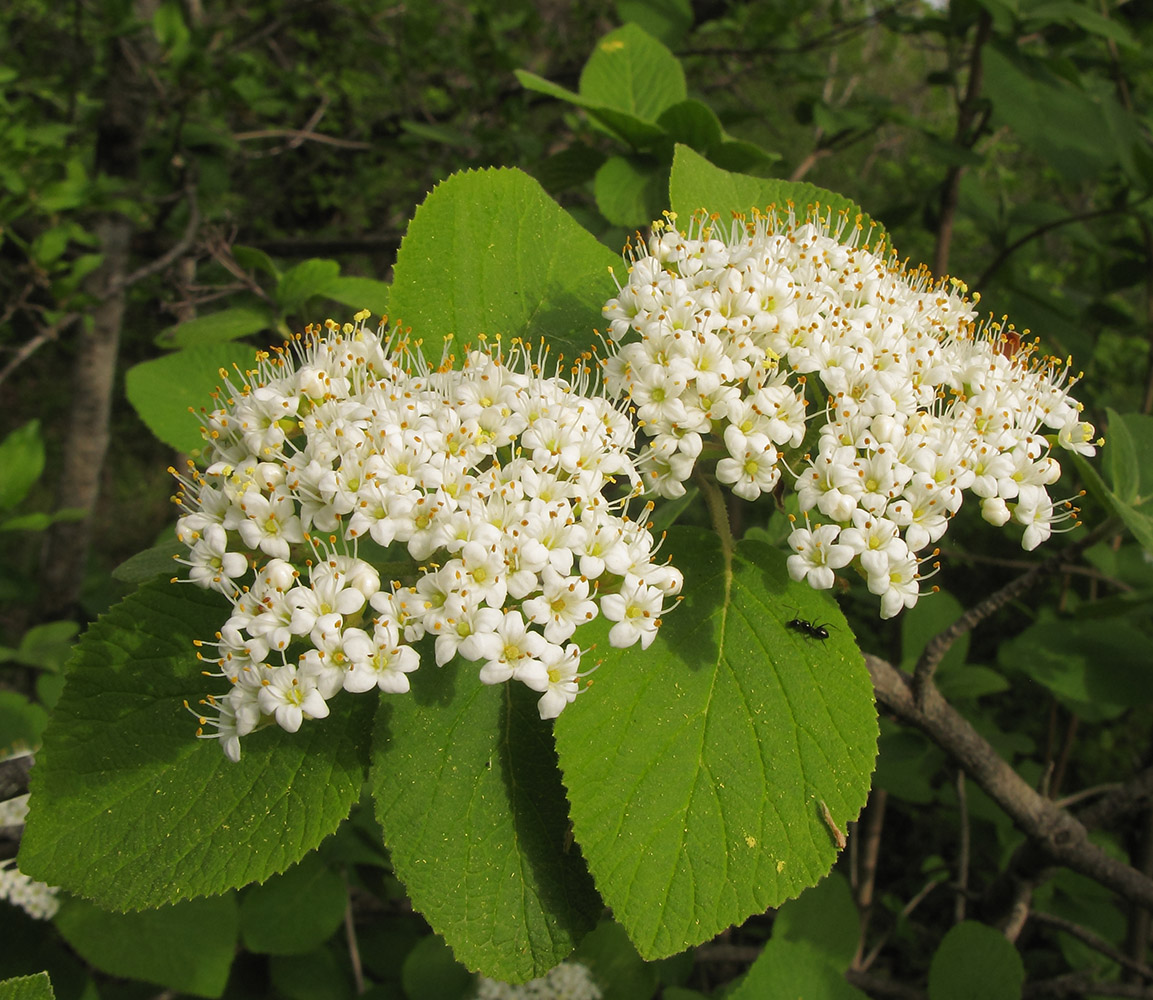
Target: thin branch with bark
{"points": [[1062, 837]]}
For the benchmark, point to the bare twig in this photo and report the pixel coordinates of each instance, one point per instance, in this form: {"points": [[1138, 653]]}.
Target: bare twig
{"points": [[169, 257], [1139, 917], [962, 852], [27, 349], [1078, 984], [1087, 793], [907, 909], [882, 986], [353, 945], [298, 136], [1033, 234], [868, 843], [1057, 832], [1086, 936]]}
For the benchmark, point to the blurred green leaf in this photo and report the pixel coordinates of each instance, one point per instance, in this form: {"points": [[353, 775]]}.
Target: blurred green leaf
{"points": [[188, 947], [215, 328], [21, 463], [974, 960], [273, 920], [170, 393], [300, 283]]}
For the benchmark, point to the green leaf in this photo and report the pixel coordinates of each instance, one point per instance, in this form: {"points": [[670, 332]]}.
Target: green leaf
{"points": [[489, 252], [975, 961], [165, 389], [360, 293], [467, 791], [629, 190], [667, 20], [1099, 668], [153, 562], [825, 917], [188, 947], [47, 646], [907, 764], [21, 463], [737, 155], [1045, 14], [610, 956], [315, 976], [787, 970], [255, 259], [272, 919], [1121, 455], [631, 71], [1052, 117], [431, 971], [300, 283], [22, 723], [971, 682], [696, 184], [629, 127], [171, 31], [696, 769], [165, 816], [38, 987], [693, 124], [215, 328], [924, 621]]}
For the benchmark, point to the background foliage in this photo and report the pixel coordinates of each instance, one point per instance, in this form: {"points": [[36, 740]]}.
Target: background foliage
{"points": [[180, 184]]}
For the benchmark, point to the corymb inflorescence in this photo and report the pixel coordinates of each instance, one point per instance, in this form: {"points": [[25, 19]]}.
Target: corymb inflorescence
{"points": [[355, 500], [783, 351]]}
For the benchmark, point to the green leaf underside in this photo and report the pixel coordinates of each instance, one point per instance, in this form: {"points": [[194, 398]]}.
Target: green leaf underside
{"points": [[695, 769], [188, 947], [225, 325], [696, 184], [480, 237], [359, 293], [786, 970], [166, 816], [975, 961], [162, 390], [468, 794], [274, 922]]}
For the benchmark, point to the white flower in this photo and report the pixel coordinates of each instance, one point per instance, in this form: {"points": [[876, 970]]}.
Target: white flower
{"points": [[290, 698], [636, 609], [817, 554], [478, 487]]}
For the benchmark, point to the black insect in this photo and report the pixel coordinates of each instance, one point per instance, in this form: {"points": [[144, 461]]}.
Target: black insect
{"points": [[808, 629]]}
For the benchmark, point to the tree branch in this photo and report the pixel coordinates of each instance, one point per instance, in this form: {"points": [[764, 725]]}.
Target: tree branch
{"points": [[1060, 835]]}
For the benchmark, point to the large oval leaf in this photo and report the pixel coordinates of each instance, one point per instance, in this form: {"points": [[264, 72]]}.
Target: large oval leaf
{"points": [[470, 799], [489, 252], [710, 775], [696, 184], [131, 810]]}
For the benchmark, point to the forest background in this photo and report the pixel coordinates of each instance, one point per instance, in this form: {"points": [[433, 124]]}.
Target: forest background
{"points": [[183, 175]]}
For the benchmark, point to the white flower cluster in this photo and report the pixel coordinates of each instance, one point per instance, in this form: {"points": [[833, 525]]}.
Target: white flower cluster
{"points": [[916, 403], [34, 898], [567, 981], [487, 490]]}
